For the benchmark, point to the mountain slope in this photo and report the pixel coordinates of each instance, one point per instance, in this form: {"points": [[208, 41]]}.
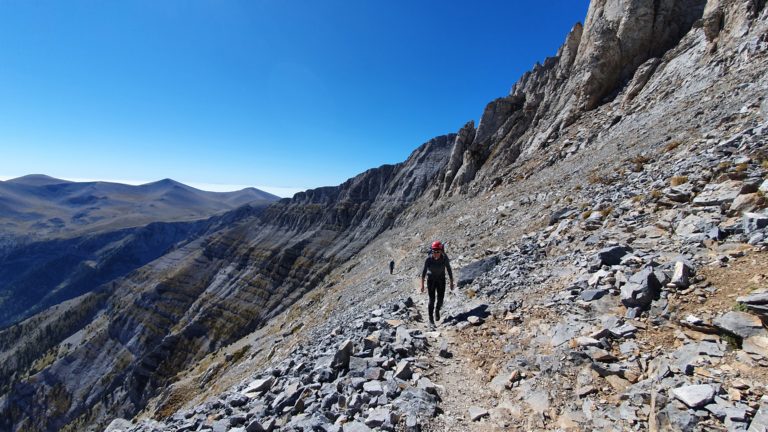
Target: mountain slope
{"points": [[277, 284]]}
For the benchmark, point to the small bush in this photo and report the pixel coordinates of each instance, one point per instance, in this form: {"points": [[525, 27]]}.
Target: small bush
{"points": [[741, 167], [637, 198], [640, 159], [656, 194], [595, 178], [733, 342], [606, 211], [740, 307], [678, 180], [764, 164], [672, 145]]}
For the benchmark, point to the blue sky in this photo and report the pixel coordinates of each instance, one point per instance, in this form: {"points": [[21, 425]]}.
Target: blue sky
{"points": [[279, 94]]}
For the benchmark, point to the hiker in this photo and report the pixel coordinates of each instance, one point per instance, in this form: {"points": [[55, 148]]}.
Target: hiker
{"points": [[434, 269], [391, 266]]}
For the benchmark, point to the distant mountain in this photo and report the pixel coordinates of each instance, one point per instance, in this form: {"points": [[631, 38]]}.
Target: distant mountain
{"points": [[36, 180], [45, 207]]}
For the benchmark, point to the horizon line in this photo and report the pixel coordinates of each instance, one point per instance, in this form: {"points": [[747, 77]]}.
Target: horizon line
{"points": [[280, 191]]}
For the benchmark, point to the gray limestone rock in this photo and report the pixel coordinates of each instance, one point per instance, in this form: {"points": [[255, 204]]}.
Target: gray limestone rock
{"points": [[643, 287], [754, 221], [681, 274], [612, 255], [373, 387], [355, 426], [341, 359], [673, 418], [760, 421], [695, 396], [403, 370], [741, 324], [592, 294], [260, 385], [119, 425], [470, 272], [379, 417], [416, 402], [476, 413], [716, 194]]}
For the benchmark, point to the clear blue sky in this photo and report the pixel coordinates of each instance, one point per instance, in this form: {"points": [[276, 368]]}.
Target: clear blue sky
{"points": [[267, 93]]}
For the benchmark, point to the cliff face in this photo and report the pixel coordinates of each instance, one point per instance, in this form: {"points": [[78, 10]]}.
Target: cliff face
{"points": [[628, 65]]}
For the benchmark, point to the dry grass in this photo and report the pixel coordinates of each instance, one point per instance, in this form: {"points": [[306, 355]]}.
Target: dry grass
{"points": [[640, 159], [678, 180], [672, 145], [595, 178]]}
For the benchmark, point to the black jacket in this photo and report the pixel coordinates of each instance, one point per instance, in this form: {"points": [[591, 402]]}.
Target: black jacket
{"points": [[436, 268]]}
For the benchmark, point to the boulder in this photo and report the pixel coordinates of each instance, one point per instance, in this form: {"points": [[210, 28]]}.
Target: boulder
{"points": [[680, 274], [760, 421], [741, 324], [754, 221], [717, 194], [612, 255], [373, 387], [341, 359], [354, 426], [379, 417], [756, 345], [260, 385], [403, 370], [695, 396], [592, 294], [643, 287], [472, 271], [747, 203], [476, 413], [119, 425]]}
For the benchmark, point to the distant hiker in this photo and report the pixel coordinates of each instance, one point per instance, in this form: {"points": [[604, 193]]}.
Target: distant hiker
{"points": [[434, 269], [391, 267]]}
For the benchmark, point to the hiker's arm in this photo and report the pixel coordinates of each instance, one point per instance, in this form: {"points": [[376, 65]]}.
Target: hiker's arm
{"points": [[424, 274], [450, 272]]}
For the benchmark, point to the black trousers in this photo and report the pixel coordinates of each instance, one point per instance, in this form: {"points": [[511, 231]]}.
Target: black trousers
{"points": [[435, 286]]}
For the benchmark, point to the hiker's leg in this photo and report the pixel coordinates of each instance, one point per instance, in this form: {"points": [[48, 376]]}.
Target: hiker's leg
{"points": [[440, 288], [431, 291]]}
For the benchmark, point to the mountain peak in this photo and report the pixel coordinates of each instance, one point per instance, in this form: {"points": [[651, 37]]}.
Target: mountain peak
{"points": [[36, 180]]}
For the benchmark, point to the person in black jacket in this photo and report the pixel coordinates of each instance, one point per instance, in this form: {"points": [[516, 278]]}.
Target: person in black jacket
{"points": [[435, 267]]}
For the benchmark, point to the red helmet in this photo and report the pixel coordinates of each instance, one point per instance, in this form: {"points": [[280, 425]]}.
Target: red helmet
{"points": [[436, 245]]}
